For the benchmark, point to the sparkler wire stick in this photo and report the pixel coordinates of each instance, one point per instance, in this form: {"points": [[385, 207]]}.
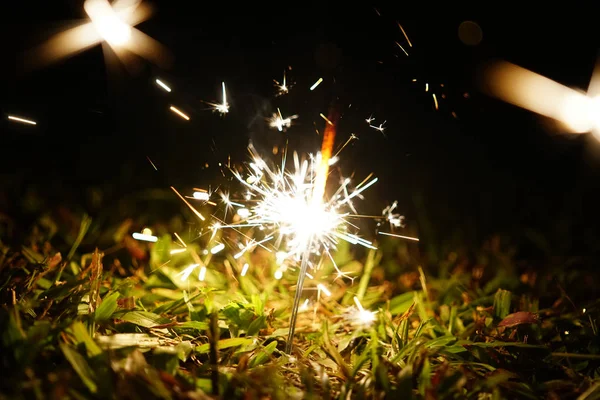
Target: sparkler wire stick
{"points": [[297, 296], [318, 193]]}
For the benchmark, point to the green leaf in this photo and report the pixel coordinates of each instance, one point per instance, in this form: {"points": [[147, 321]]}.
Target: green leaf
{"points": [[81, 367], [225, 344], [143, 318], [502, 301], [108, 306], [400, 304], [263, 354], [256, 325], [82, 336], [499, 344], [191, 326]]}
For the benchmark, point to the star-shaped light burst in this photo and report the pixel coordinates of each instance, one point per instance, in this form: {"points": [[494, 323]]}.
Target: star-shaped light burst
{"points": [[277, 121], [283, 87], [222, 107], [286, 206], [109, 23], [395, 220], [359, 317]]}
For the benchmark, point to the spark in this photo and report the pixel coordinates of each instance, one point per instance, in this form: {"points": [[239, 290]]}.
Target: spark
{"points": [[360, 317], [435, 101], [395, 220], [317, 83], [427, 87], [399, 45], [277, 121], [177, 251], [245, 269], [304, 305], [222, 107], [217, 248], [178, 112], [201, 195], [151, 163], [187, 203], [202, 274], [243, 212], [278, 274], [144, 237], [346, 143], [163, 85], [282, 88], [323, 289], [404, 33], [379, 128], [326, 119], [370, 119], [23, 120], [187, 271], [399, 236], [180, 239]]}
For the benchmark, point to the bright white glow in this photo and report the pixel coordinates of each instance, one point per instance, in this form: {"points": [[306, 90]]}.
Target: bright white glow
{"points": [[277, 121], [282, 88], [317, 83], [145, 238], [23, 120], [292, 212], [178, 112], [201, 196], [577, 112], [359, 316], [202, 274], [163, 85], [245, 269], [107, 23], [177, 251], [304, 306], [222, 107], [187, 271], [278, 274], [217, 248], [243, 212], [147, 231], [323, 289]]}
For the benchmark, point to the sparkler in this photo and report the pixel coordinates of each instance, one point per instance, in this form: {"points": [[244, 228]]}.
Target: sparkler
{"points": [[295, 215]]}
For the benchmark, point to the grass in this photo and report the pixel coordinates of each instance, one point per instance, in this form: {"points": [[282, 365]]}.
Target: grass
{"points": [[87, 312]]}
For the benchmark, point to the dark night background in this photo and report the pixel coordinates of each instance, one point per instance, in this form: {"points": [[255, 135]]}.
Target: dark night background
{"points": [[495, 169]]}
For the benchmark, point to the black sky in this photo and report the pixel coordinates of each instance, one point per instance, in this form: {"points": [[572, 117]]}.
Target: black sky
{"points": [[495, 166]]}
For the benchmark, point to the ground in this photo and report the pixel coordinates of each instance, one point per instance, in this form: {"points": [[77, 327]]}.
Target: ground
{"points": [[89, 312]]}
